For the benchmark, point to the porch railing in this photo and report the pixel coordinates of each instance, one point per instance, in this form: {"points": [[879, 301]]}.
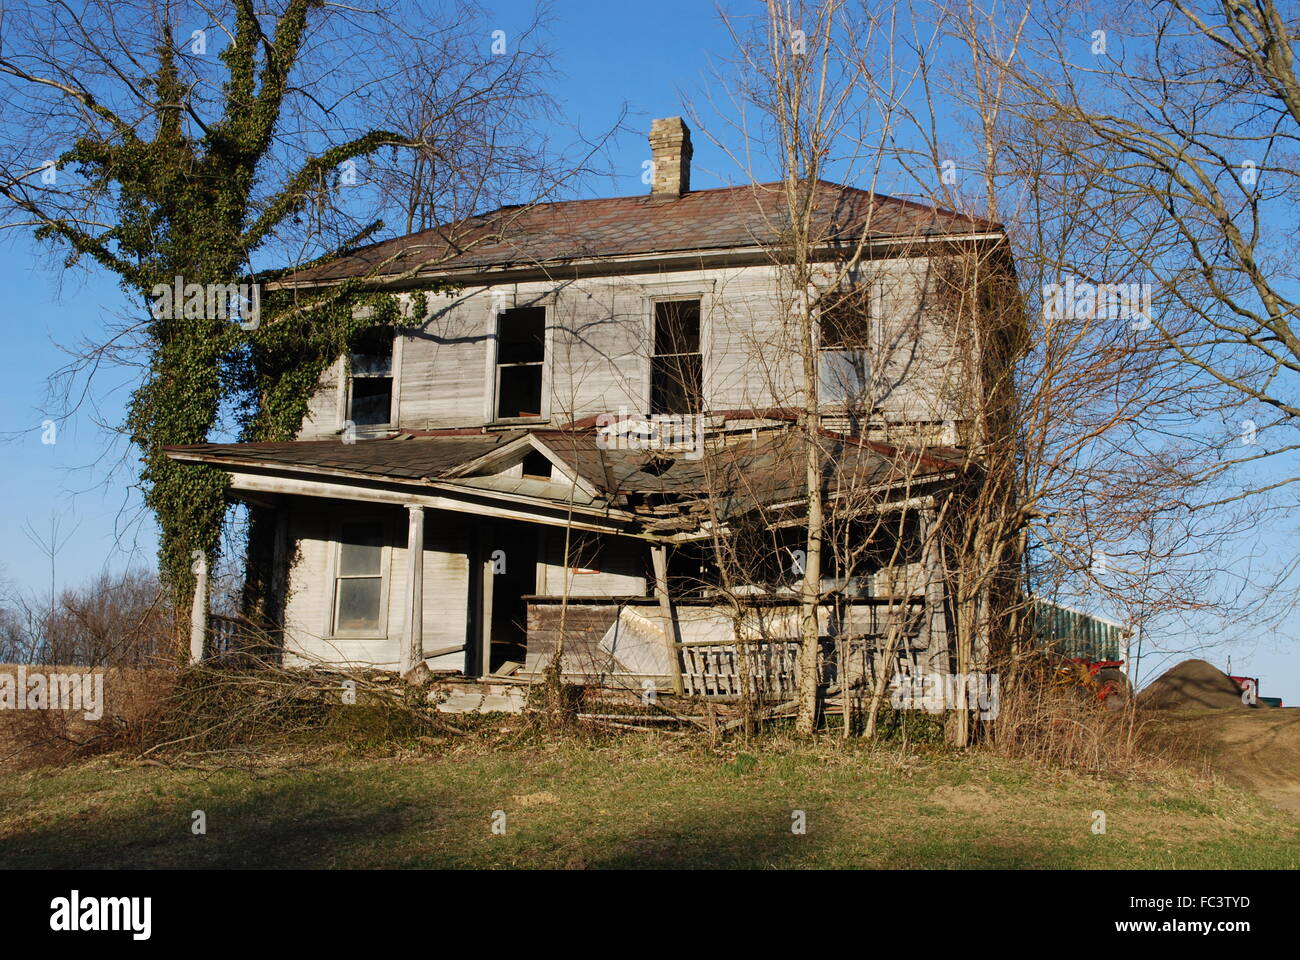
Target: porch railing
{"points": [[714, 669]]}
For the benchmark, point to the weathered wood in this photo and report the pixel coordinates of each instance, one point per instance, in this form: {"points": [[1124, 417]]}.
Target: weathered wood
{"points": [[934, 624], [672, 639], [443, 651], [486, 591], [461, 500], [199, 609], [413, 646]]}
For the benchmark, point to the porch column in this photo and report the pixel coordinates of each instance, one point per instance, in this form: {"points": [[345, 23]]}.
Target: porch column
{"points": [[199, 608], [934, 623], [659, 559], [413, 641]]}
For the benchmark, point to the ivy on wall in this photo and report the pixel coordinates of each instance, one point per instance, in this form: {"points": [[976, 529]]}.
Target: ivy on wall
{"points": [[275, 374]]}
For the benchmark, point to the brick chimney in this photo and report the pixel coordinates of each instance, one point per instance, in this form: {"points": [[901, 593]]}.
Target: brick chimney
{"points": [[670, 146]]}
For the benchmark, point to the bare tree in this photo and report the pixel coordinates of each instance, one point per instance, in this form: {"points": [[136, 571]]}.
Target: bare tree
{"points": [[167, 138]]}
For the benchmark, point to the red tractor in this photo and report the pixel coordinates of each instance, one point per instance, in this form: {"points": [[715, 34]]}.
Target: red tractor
{"points": [[1103, 678]]}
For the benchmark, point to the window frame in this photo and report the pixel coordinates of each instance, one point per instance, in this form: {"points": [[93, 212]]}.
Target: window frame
{"points": [[385, 527], [345, 390], [652, 323], [870, 346], [492, 395]]}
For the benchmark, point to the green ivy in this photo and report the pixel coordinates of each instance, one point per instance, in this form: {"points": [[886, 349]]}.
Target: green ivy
{"points": [[185, 206]]}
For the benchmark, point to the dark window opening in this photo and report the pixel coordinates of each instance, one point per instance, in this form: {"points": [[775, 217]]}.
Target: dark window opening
{"points": [[690, 570], [676, 375], [585, 551], [370, 381], [521, 354], [844, 362], [537, 465]]}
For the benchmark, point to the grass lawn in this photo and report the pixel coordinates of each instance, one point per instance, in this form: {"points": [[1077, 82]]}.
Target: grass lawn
{"points": [[638, 802]]}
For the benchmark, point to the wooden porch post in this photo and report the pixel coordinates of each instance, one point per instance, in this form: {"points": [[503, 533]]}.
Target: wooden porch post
{"points": [[934, 624], [659, 558], [199, 609], [413, 641]]}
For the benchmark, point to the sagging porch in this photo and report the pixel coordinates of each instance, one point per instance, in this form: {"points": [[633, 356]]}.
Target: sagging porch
{"points": [[474, 554]]}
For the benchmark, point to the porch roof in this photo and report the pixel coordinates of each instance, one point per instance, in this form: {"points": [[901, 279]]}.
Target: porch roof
{"points": [[661, 491], [403, 456]]}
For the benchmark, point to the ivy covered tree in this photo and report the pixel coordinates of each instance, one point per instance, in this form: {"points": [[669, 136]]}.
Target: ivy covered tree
{"points": [[165, 139]]}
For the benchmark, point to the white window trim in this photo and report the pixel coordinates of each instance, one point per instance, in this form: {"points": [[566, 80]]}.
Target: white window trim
{"points": [[498, 302], [668, 293], [385, 575], [394, 409]]}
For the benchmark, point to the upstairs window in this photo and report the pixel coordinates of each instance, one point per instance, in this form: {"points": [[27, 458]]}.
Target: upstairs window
{"points": [[359, 582], [844, 356], [370, 379], [521, 355], [676, 372]]}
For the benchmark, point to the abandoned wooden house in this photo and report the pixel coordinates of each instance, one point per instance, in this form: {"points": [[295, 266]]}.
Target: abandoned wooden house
{"points": [[549, 457]]}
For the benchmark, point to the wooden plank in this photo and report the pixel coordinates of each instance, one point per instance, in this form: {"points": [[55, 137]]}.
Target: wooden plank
{"points": [[413, 647], [672, 639], [487, 581]]}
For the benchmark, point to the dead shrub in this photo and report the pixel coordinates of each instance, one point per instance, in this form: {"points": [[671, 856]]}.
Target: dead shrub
{"points": [[1066, 726], [132, 698]]}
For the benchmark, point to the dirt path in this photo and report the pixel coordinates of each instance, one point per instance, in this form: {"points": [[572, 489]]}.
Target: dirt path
{"points": [[1256, 749]]}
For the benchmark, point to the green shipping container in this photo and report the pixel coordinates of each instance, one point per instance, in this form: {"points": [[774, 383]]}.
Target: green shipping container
{"points": [[1071, 633]]}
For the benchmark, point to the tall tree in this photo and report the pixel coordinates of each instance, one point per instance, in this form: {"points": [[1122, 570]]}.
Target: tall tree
{"points": [[164, 139]]}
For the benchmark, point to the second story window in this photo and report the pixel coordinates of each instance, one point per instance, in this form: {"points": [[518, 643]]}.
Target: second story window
{"points": [[370, 379], [521, 355], [676, 371], [844, 356]]}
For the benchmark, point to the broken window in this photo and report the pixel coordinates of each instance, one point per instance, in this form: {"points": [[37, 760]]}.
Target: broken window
{"points": [[676, 373], [844, 358], [521, 354], [370, 379], [359, 582]]}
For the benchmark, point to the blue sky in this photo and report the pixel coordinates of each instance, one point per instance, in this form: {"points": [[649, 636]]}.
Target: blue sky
{"points": [[647, 56], [50, 309]]}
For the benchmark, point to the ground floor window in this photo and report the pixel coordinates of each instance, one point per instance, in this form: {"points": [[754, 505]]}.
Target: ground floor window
{"points": [[359, 582]]}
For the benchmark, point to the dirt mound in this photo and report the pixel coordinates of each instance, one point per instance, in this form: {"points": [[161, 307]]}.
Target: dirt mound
{"points": [[1255, 749], [1192, 684]]}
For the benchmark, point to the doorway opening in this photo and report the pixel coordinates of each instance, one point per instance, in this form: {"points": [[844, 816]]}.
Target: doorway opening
{"points": [[508, 574]]}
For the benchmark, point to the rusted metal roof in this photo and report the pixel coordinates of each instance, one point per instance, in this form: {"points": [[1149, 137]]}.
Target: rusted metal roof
{"points": [[611, 228]]}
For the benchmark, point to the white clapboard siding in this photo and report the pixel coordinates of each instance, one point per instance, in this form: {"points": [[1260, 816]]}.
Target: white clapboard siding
{"points": [[324, 406], [620, 565], [443, 374], [600, 339], [309, 609]]}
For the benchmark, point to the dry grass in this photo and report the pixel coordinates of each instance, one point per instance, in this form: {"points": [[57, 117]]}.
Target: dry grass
{"points": [[132, 697], [1065, 726], [640, 801]]}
